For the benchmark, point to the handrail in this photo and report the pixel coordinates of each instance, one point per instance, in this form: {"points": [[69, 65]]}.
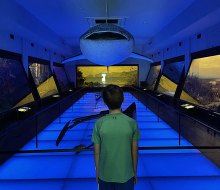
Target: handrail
{"points": [[180, 112], [91, 149], [49, 106], [36, 102], [41, 111], [58, 102]]}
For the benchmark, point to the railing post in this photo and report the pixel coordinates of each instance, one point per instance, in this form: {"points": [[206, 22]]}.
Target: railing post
{"points": [[59, 115], [36, 131], [179, 128], [158, 112]]}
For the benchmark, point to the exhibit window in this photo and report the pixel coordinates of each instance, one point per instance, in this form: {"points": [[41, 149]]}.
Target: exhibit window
{"points": [[15, 90], [202, 84], [100, 76], [43, 78], [170, 78], [152, 76], [61, 77]]}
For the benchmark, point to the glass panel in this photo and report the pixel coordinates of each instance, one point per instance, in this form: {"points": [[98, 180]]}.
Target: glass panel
{"points": [[173, 71], [43, 79], [62, 78], [14, 87], [98, 76], [202, 85], [170, 78], [152, 77]]}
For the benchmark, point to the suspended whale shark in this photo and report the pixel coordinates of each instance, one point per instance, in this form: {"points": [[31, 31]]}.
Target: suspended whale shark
{"points": [[106, 44]]}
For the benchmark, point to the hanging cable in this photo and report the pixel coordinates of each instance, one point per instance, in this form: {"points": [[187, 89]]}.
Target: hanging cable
{"points": [[106, 11]]}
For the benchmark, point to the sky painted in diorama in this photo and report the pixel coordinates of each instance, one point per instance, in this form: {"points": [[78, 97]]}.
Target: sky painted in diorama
{"points": [[206, 68]]}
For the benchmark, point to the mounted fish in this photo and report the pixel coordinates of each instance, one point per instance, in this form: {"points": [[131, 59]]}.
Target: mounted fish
{"points": [[106, 44]]}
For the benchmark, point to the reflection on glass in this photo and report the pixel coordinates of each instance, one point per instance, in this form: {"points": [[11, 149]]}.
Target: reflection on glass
{"points": [[99, 76], [166, 86], [152, 77], [170, 78], [202, 85], [62, 78], [43, 79], [14, 87], [173, 71]]}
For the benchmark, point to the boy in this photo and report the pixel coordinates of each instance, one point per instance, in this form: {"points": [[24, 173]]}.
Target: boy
{"points": [[115, 137]]}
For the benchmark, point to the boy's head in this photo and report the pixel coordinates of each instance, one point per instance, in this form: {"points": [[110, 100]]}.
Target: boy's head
{"points": [[113, 96]]}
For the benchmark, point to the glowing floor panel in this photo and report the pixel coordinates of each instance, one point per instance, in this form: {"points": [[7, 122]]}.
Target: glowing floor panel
{"points": [[157, 169]]}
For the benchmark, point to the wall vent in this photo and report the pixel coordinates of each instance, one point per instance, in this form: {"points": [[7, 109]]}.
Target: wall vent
{"points": [[199, 36], [93, 21], [101, 21], [12, 36]]}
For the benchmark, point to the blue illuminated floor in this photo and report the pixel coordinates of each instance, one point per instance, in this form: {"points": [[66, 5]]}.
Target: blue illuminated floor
{"points": [[157, 170]]}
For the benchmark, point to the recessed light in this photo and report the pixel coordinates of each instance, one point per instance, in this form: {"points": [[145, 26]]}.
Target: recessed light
{"points": [[24, 109], [56, 96]]}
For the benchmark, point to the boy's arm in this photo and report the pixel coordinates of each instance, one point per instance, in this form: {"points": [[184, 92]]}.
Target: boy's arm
{"points": [[135, 159], [96, 157]]}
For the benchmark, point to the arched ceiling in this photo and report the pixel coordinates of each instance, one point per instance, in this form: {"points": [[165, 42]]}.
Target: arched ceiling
{"points": [[155, 21]]}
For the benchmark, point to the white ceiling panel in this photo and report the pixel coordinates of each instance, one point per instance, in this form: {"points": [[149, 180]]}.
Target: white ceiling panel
{"points": [[145, 19]]}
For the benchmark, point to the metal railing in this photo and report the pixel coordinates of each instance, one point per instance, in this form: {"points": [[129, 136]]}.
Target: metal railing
{"points": [[180, 115], [35, 116], [81, 149]]}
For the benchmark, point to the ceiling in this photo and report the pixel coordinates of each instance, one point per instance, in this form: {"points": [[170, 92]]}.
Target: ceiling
{"points": [[147, 20]]}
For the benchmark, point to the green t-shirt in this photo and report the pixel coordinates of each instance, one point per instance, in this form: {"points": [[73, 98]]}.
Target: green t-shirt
{"points": [[115, 133]]}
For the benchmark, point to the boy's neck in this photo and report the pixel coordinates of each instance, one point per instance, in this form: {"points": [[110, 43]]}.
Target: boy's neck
{"points": [[115, 111]]}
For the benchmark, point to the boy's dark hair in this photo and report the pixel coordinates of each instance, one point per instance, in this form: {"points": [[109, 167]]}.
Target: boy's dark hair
{"points": [[113, 96]]}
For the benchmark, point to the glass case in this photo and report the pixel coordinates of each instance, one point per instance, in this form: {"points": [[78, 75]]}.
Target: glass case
{"points": [[170, 78], [62, 79], [100, 76], [202, 85], [14, 87], [43, 79]]}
